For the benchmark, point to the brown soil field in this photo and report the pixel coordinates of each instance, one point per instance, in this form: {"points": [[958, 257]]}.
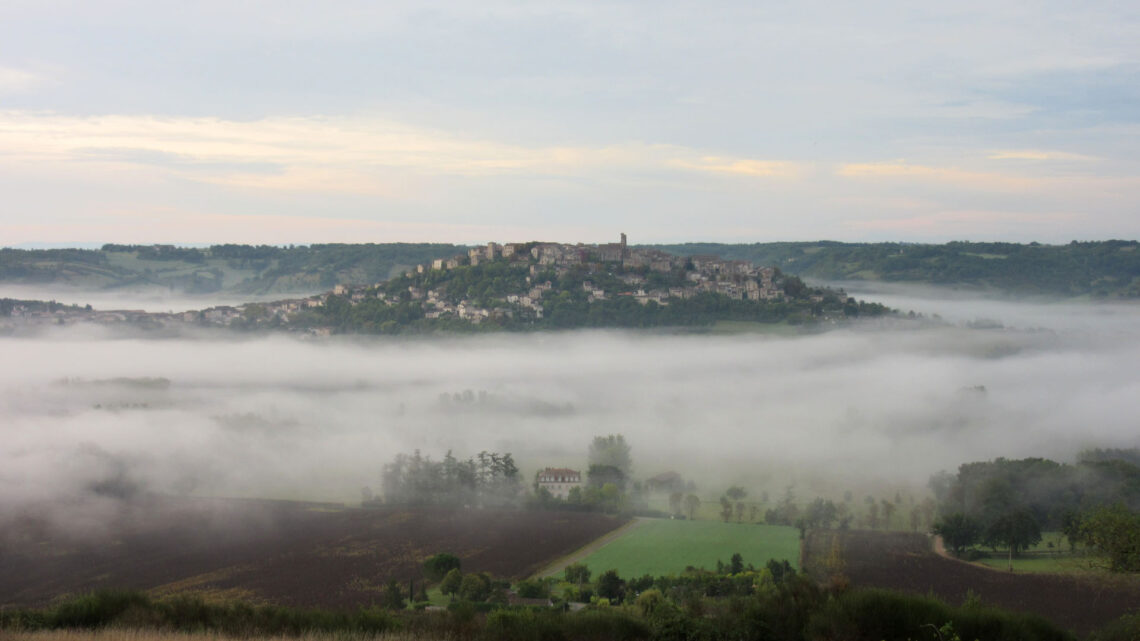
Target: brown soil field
{"points": [[265, 551], [905, 562]]}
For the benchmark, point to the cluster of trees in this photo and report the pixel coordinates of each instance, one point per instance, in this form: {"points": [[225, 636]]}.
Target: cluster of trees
{"points": [[488, 479], [1105, 268], [1008, 502]]}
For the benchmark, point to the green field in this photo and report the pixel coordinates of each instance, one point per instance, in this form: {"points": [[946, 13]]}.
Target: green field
{"points": [[1043, 557], [1046, 563], [666, 546]]}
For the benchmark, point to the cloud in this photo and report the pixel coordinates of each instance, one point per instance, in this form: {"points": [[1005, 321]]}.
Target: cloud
{"points": [[901, 170], [19, 80], [361, 155], [741, 166], [1033, 154]]}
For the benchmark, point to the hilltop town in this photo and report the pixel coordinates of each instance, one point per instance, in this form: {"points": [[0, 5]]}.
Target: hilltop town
{"points": [[517, 286]]}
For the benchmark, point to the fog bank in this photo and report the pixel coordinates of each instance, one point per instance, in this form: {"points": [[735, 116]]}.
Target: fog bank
{"points": [[283, 418]]}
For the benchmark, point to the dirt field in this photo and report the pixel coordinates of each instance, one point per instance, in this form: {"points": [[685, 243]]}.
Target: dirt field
{"points": [[903, 561], [273, 552]]}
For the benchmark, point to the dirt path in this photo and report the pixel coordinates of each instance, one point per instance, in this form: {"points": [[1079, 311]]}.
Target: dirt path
{"points": [[586, 550]]}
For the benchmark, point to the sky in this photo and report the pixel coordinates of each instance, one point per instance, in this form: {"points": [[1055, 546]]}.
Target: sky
{"points": [[290, 122]]}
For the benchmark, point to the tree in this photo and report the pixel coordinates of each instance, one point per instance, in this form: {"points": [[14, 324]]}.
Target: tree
{"points": [[888, 510], [725, 509], [821, 513], [392, 597], [577, 573], [1114, 532], [451, 582], [1017, 529], [739, 511], [958, 531], [736, 493], [611, 451], [611, 586], [675, 500], [436, 567], [475, 587], [601, 475], [736, 563], [692, 502]]}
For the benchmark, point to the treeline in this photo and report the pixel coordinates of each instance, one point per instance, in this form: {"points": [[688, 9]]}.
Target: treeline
{"points": [[259, 268], [8, 305], [1005, 502], [1101, 269], [488, 479]]}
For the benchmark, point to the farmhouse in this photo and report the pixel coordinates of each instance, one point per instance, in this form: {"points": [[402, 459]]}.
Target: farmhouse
{"points": [[559, 480]]}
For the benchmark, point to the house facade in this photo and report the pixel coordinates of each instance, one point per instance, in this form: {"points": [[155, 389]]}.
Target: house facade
{"points": [[559, 481]]}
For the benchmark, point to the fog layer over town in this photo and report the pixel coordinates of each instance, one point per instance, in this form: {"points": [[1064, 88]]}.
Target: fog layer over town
{"points": [[87, 414]]}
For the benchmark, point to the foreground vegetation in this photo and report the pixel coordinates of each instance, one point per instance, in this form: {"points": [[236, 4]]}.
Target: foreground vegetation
{"points": [[792, 609]]}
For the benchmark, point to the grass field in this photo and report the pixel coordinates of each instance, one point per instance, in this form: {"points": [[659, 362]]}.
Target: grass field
{"points": [[665, 546]]}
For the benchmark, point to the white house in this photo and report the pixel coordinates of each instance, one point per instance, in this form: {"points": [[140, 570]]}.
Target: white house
{"points": [[559, 480]]}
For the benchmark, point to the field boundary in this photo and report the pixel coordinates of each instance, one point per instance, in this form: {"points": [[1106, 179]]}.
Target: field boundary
{"points": [[581, 553]]}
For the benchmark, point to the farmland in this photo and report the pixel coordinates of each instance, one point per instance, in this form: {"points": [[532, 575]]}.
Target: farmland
{"points": [[905, 562], [272, 552], [664, 546]]}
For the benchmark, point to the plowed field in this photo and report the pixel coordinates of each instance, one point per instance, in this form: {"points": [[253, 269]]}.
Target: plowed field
{"points": [[270, 551], [905, 562]]}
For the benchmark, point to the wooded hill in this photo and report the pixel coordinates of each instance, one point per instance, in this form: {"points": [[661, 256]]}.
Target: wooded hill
{"points": [[1102, 269], [237, 269]]}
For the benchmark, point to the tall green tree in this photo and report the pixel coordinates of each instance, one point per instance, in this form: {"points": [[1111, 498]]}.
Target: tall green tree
{"points": [[1113, 531], [436, 567], [959, 531], [1017, 529]]}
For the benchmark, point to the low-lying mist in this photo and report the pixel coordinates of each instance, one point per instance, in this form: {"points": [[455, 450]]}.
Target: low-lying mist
{"points": [[88, 415]]}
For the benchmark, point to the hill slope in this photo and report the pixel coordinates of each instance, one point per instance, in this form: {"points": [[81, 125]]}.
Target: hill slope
{"points": [[1104, 269]]}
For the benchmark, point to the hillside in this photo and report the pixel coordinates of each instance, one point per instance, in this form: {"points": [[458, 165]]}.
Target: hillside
{"points": [[235, 269], [521, 286], [1105, 269], [1102, 270], [560, 286]]}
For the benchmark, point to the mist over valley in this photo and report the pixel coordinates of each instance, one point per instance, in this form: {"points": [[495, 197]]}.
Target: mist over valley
{"points": [[96, 414]]}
